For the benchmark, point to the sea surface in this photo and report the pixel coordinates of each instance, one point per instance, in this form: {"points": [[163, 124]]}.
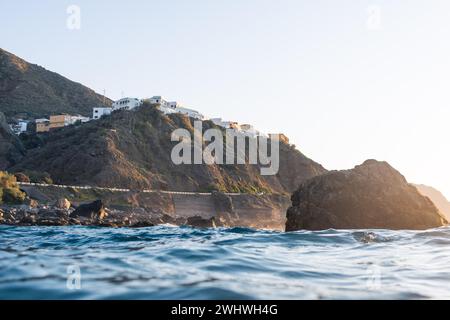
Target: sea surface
{"points": [[167, 262]]}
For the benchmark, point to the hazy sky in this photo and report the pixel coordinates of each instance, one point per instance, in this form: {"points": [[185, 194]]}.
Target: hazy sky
{"points": [[345, 80]]}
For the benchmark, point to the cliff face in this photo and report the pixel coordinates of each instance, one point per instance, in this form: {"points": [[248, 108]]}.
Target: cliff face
{"points": [[371, 196], [132, 149], [437, 197], [11, 150], [30, 91]]}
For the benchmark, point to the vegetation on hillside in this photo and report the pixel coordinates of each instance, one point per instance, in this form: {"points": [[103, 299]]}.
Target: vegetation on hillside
{"points": [[9, 189]]}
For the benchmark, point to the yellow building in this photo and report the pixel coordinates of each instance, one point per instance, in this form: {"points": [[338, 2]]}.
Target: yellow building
{"points": [[42, 125], [59, 121]]}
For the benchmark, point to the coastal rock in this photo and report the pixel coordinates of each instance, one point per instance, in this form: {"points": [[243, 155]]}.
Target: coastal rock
{"points": [[52, 217], [93, 211], [200, 222], [31, 203], [222, 202], [371, 196], [63, 203]]}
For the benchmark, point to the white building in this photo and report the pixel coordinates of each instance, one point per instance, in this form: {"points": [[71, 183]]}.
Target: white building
{"points": [[100, 112], [19, 127], [249, 130], [159, 100], [126, 103], [190, 113], [225, 124], [168, 107], [75, 119]]}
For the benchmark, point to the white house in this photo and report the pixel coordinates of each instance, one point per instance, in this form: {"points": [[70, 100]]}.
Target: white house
{"points": [[74, 119], [190, 113], [100, 112], [19, 127], [249, 130], [126, 103], [225, 124], [168, 107], [159, 100]]}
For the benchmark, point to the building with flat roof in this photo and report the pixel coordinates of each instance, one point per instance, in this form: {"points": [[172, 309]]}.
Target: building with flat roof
{"points": [[42, 125], [126, 103], [97, 113]]}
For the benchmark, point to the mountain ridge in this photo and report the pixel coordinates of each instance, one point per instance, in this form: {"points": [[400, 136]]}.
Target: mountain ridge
{"points": [[30, 91]]}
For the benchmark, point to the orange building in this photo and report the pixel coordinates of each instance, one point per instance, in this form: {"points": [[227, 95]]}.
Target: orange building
{"points": [[59, 121]]}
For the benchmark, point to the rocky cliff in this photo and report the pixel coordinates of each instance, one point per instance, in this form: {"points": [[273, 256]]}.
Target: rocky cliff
{"points": [[371, 196], [30, 91]]}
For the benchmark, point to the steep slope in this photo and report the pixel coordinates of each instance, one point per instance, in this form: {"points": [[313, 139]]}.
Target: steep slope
{"points": [[11, 149], [437, 197], [371, 196], [132, 149], [30, 91]]}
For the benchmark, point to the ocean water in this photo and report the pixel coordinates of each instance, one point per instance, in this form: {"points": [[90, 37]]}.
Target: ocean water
{"points": [[167, 262]]}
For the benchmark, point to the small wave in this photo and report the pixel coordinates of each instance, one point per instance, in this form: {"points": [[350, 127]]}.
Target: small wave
{"points": [[167, 262]]}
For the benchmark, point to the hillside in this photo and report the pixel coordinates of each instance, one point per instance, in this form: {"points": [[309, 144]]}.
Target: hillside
{"points": [[437, 197], [132, 150], [11, 149], [30, 91]]}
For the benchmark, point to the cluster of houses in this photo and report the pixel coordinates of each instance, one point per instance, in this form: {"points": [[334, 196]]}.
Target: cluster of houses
{"points": [[58, 121], [168, 107], [165, 106], [162, 104], [45, 125]]}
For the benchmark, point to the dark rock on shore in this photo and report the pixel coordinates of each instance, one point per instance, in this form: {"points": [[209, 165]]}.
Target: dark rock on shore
{"points": [[93, 211], [371, 196], [200, 222], [223, 202]]}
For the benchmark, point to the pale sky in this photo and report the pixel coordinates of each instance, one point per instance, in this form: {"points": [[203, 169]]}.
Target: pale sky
{"points": [[345, 80]]}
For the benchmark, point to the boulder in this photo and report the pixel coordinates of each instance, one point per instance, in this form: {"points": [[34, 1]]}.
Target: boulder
{"points": [[199, 222], [63, 203], [222, 202], [371, 196], [93, 211]]}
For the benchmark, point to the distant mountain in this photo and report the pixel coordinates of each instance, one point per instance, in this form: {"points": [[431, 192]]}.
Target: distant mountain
{"points": [[30, 91], [437, 197], [132, 149]]}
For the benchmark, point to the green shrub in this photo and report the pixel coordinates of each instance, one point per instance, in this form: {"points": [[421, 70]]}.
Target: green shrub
{"points": [[39, 177], [9, 189], [13, 196]]}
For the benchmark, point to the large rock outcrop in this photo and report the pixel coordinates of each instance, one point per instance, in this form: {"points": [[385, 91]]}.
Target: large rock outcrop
{"points": [[371, 196]]}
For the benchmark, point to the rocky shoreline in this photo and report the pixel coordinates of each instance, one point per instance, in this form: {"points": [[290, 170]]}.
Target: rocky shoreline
{"points": [[63, 213]]}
